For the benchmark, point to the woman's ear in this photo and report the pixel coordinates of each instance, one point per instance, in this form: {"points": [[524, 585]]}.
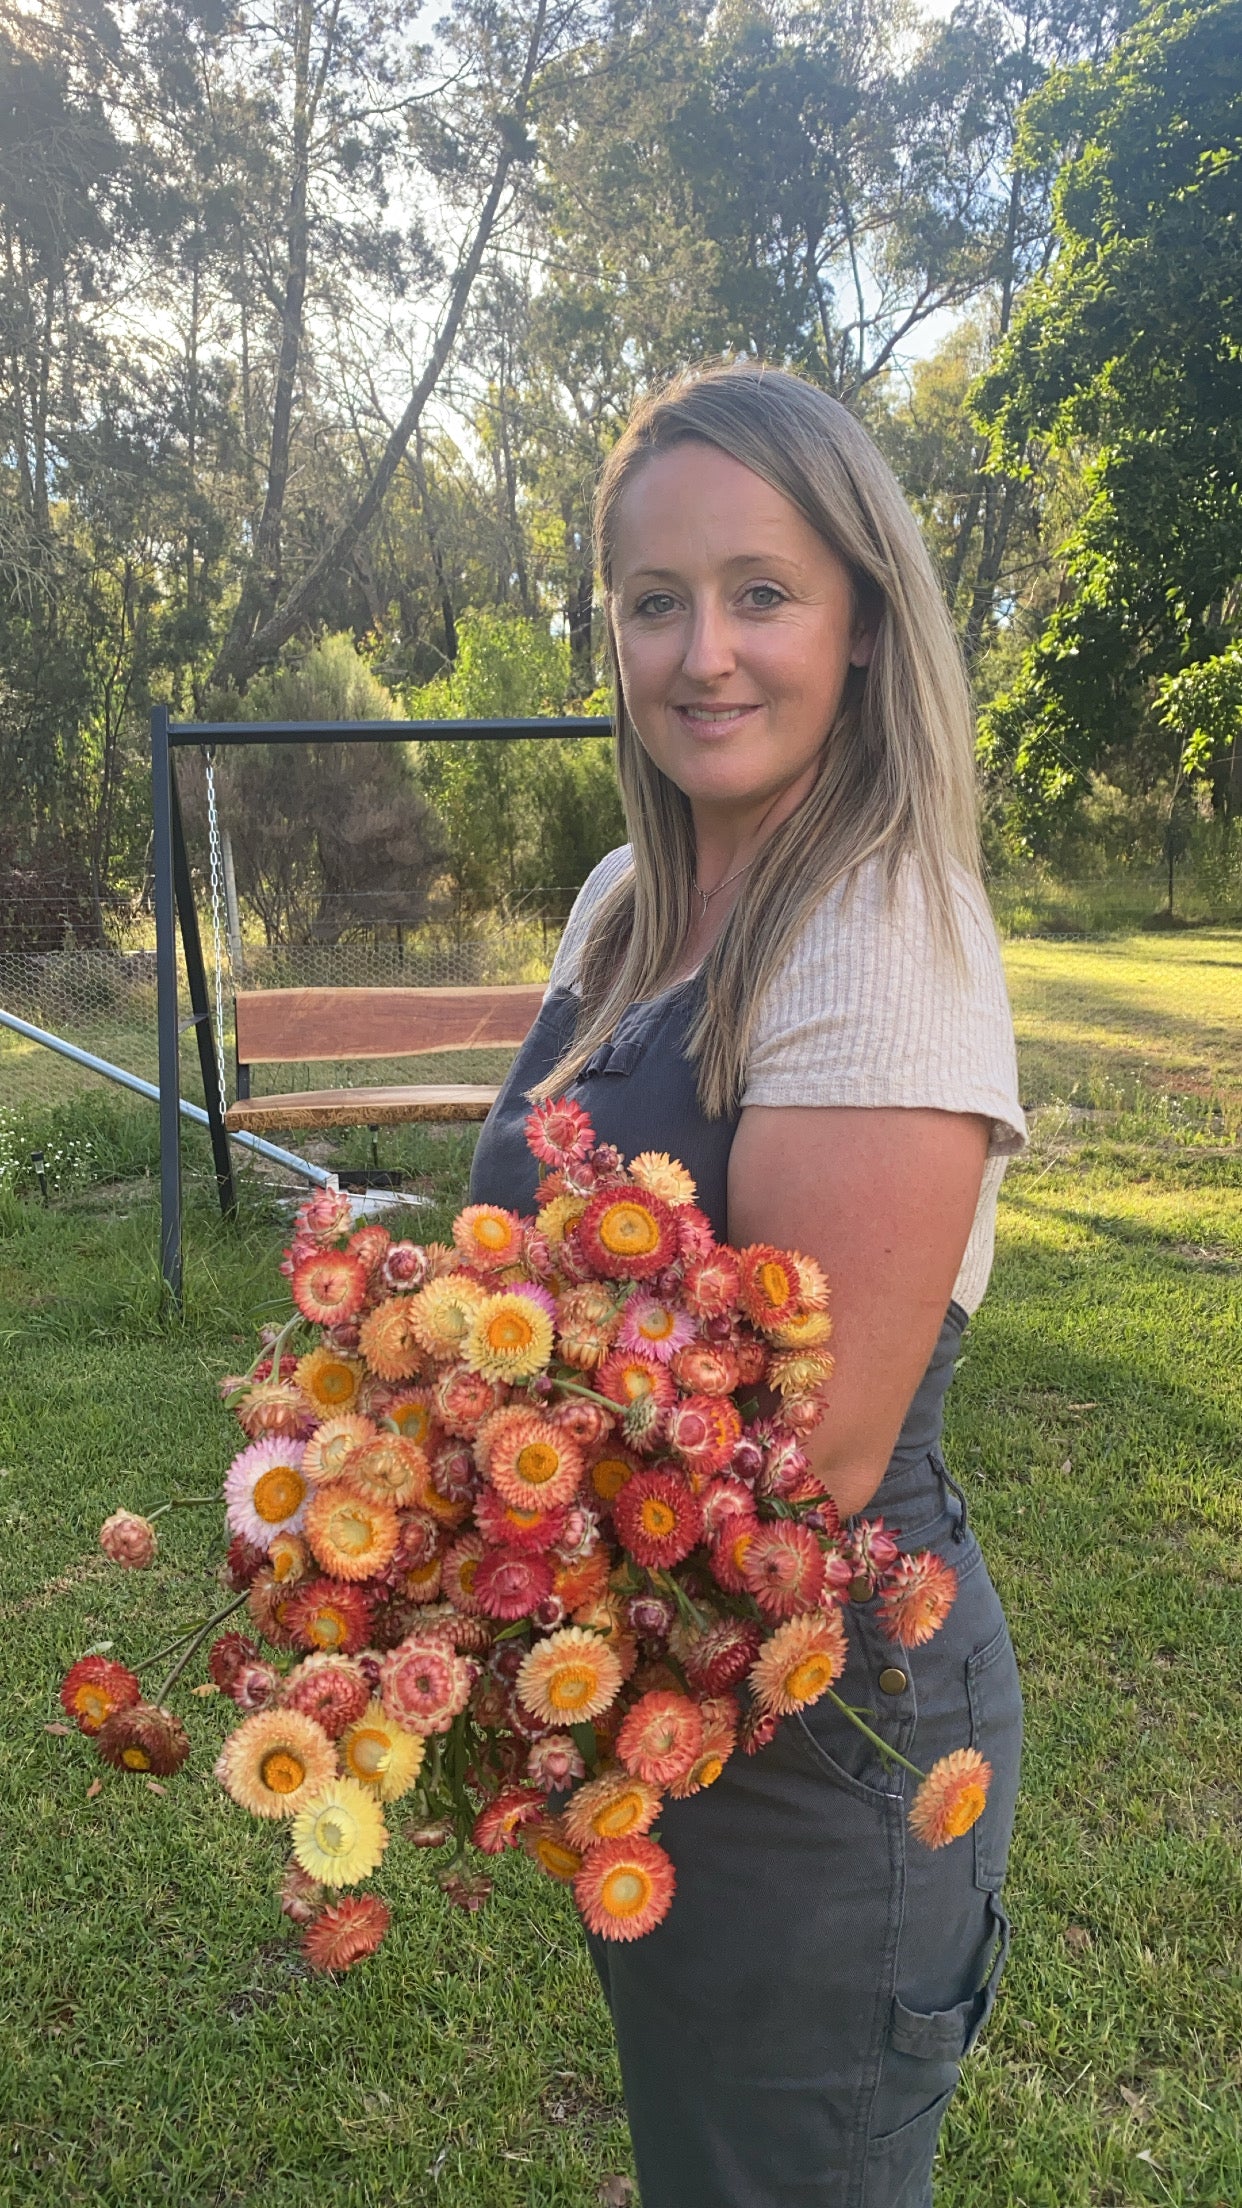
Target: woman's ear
{"points": [[868, 614], [863, 647]]}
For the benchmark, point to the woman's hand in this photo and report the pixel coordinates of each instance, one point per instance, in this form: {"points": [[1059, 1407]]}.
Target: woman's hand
{"points": [[885, 1200]]}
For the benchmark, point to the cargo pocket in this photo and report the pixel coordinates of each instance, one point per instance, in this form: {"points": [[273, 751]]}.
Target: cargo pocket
{"points": [[996, 1731], [925, 2054]]}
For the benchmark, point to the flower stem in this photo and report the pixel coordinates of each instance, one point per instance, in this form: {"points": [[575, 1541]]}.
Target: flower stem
{"points": [[575, 1387], [184, 1502], [196, 1643], [885, 1750]]}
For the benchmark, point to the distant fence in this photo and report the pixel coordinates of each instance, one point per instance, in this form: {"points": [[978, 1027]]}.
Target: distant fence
{"points": [[105, 1000]]}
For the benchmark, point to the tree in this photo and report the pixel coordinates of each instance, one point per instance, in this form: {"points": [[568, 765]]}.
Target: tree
{"points": [[1132, 346]]}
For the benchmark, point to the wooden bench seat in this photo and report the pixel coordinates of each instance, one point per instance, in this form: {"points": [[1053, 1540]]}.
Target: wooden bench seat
{"points": [[309, 1026]]}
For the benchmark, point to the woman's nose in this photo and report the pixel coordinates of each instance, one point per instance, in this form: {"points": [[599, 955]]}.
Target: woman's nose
{"points": [[709, 652]]}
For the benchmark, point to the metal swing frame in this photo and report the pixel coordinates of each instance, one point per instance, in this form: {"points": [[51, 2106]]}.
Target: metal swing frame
{"points": [[175, 908]]}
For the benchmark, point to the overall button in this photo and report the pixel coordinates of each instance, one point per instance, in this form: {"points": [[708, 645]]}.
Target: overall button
{"points": [[893, 1681]]}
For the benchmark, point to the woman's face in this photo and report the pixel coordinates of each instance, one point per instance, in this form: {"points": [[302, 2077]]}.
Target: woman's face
{"points": [[735, 629]]}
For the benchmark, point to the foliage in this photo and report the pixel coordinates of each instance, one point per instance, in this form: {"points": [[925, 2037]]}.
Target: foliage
{"points": [[315, 827], [1132, 345], [523, 822]]}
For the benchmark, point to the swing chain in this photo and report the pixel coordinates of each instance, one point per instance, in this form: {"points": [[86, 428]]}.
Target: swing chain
{"points": [[221, 945]]}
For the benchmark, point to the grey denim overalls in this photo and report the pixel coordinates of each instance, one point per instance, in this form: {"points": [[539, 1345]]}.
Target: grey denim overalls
{"points": [[791, 2035]]}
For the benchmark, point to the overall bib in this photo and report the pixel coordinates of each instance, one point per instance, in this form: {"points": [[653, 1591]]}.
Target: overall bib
{"points": [[791, 2035]]}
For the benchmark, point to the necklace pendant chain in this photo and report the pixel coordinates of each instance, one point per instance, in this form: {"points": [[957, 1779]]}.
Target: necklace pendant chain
{"points": [[708, 894]]}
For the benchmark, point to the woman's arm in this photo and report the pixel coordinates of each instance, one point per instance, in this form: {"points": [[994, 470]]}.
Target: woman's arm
{"points": [[884, 1199]]}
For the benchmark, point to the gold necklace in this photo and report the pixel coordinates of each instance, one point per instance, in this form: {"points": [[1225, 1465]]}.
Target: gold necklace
{"points": [[708, 894]]}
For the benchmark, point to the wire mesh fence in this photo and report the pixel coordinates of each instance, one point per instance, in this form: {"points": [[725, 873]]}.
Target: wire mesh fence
{"points": [[104, 1000]]}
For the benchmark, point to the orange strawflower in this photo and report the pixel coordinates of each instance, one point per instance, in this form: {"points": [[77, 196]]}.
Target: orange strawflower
{"points": [[330, 1380], [571, 1676], [625, 1888], [387, 1341], [798, 1663], [951, 1798], [331, 1445], [918, 1596], [612, 1807], [352, 1535]]}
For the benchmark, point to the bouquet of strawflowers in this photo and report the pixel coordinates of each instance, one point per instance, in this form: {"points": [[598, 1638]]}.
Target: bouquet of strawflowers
{"points": [[528, 1542]]}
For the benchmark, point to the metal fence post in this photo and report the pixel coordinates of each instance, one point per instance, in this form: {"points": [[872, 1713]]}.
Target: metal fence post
{"points": [[166, 1002]]}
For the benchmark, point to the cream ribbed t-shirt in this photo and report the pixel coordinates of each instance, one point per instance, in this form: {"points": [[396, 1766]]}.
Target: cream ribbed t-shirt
{"points": [[865, 1011]]}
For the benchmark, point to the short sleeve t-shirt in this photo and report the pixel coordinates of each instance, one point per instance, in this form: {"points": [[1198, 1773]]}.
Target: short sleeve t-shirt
{"points": [[866, 1011]]}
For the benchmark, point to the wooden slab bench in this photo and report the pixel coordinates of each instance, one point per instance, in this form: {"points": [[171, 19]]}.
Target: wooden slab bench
{"points": [[305, 1026]]}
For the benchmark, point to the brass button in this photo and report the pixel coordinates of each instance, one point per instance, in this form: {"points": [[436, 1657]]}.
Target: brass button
{"points": [[893, 1681]]}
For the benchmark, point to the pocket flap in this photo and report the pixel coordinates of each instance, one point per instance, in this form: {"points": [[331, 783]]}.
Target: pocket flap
{"points": [[939, 2037]]}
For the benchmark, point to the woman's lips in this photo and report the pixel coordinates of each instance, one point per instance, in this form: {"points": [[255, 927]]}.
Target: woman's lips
{"points": [[713, 720]]}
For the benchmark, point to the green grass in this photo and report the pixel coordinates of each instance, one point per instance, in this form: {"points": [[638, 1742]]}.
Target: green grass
{"points": [[160, 2041]]}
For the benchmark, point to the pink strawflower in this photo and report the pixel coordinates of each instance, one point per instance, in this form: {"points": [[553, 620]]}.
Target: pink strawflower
{"points": [[128, 1539]]}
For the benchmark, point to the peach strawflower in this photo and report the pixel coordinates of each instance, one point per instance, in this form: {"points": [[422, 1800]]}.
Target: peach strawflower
{"points": [[274, 1407], [346, 1931], [339, 1835], [917, 1598], [799, 1371], [627, 1234], [571, 1676], [487, 1236], [128, 1539], [381, 1754], [558, 1219], [658, 1517], [352, 1535], [661, 1736], [329, 1287], [331, 1445], [275, 1761], [710, 1286], [547, 1844], [411, 1414], [265, 1490], [800, 1661], [587, 1319], [329, 1380], [96, 1686], [441, 1314], [529, 1460], [802, 1329], [330, 1689], [464, 1400], [707, 1368], [951, 1798], [663, 1176], [390, 1468], [141, 1738], [611, 1807], [391, 1348], [625, 1888], [499, 1823]]}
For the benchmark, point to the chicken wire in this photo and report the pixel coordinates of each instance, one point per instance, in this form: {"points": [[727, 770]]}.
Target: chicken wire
{"points": [[104, 1000]]}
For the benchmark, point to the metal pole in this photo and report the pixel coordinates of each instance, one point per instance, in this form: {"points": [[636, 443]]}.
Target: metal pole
{"points": [[288, 1158], [196, 979], [166, 1002]]}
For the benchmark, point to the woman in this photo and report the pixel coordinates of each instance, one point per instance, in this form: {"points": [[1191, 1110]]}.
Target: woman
{"points": [[789, 980]]}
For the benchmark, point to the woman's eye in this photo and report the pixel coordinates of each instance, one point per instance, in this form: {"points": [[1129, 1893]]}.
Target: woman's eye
{"points": [[656, 602], [764, 595]]}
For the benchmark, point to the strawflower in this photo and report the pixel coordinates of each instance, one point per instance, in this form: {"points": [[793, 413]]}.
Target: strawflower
{"points": [[329, 1287], [625, 1888], [346, 1931], [571, 1676], [800, 1661], [387, 1341], [329, 1380], [226, 1656], [499, 1823], [663, 1176], [529, 1460], [301, 1898], [655, 1327], [547, 1844], [951, 1799], [352, 1535], [330, 1689], [510, 1583], [329, 1614], [141, 1738], [96, 1686], [783, 1568], [612, 1807], [381, 1754], [627, 1234], [339, 1836], [128, 1539], [275, 1761], [658, 1518], [554, 1762], [661, 1737], [917, 1598], [424, 1684], [389, 1467], [559, 1133], [510, 1339], [265, 1490]]}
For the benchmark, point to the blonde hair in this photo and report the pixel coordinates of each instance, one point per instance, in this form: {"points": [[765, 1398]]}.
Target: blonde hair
{"points": [[896, 781]]}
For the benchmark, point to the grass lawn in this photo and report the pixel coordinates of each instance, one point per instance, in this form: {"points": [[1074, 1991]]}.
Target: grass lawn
{"points": [[161, 2042]]}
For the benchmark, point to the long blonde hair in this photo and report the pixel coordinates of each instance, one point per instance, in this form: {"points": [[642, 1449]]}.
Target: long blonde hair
{"points": [[897, 775]]}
